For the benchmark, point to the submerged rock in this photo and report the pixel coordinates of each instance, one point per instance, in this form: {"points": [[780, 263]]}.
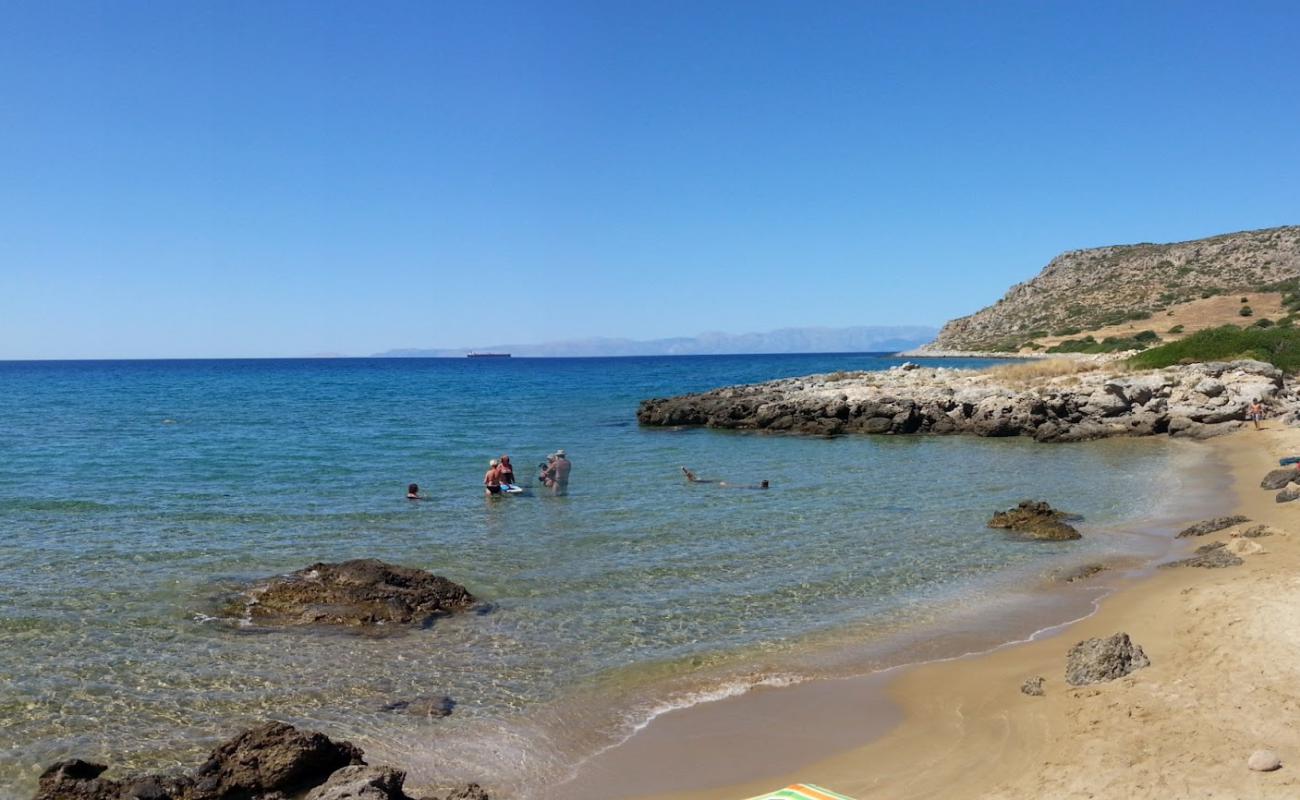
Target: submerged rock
{"points": [[1211, 526], [1098, 660], [362, 592], [1035, 519], [434, 706], [1080, 573]]}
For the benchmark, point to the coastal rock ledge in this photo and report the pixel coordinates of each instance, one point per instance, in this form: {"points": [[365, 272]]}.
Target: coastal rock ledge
{"points": [[1194, 400]]}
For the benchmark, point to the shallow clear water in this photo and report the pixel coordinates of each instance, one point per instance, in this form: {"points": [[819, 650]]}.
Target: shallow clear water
{"points": [[133, 494]]}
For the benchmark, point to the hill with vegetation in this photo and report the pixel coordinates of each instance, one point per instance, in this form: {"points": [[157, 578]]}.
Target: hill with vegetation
{"points": [[1142, 290]]}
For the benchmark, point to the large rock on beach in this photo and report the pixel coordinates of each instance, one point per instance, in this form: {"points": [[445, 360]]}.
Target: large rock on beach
{"points": [[1214, 525], [1037, 520], [1278, 478], [362, 592], [362, 783], [1098, 660], [1216, 557]]}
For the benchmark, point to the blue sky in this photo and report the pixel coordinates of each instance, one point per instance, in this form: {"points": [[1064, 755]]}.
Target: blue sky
{"points": [[264, 179]]}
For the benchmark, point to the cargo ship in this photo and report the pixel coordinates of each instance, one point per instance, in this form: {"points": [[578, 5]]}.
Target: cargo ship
{"points": [[474, 354]]}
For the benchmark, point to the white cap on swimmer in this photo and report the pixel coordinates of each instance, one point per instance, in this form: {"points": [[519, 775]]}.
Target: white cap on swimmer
{"points": [[492, 463]]}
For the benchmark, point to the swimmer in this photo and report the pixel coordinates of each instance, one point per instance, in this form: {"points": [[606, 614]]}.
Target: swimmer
{"points": [[413, 492], [492, 478], [690, 477]]}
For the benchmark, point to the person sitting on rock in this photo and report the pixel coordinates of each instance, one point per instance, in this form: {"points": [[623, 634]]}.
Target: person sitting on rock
{"points": [[492, 478]]}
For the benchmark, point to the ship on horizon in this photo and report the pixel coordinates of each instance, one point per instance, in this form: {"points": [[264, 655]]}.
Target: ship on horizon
{"points": [[476, 354]]}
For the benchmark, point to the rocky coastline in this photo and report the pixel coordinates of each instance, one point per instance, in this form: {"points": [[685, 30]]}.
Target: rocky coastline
{"points": [[1192, 401]]}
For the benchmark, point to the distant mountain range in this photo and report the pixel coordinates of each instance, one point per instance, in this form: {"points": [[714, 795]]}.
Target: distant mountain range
{"points": [[861, 339]]}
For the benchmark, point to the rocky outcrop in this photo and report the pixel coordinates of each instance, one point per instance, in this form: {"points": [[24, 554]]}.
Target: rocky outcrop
{"points": [[1062, 408], [1279, 478], [1034, 687], [1091, 288], [1214, 525], [1097, 660], [362, 592], [1214, 556], [273, 760], [1036, 520]]}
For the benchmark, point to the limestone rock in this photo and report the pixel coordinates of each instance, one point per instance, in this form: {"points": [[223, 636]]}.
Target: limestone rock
{"points": [[361, 782], [1288, 494], [1211, 525], [1098, 660], [1036, 519], [1034, 687], [1215, 558], [362, 592], [1278, 478], [1264, 761], [1257, 532]]}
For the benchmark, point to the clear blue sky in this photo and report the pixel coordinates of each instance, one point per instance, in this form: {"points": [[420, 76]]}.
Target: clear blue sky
{"points": [[283, 178]]}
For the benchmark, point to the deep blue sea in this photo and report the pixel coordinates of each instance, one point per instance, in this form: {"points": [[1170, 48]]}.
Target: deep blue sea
{"points": [[133, 494]]}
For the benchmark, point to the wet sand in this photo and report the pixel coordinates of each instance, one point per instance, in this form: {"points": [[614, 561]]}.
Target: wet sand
{"points": [[1225, 651]]}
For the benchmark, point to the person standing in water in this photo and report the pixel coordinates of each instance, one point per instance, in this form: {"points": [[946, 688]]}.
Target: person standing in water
{"points": [[557, 474], [506, 472], [492, 478], [413, 492]]}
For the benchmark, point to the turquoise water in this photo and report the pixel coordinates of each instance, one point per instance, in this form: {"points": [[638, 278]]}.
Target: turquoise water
{"points": [[134, 494]]}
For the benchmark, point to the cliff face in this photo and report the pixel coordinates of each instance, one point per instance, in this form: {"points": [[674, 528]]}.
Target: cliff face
{"points": [[1090, 289]]}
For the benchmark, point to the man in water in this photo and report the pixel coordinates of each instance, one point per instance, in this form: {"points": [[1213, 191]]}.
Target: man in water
{"points": [[691, 478], [413, 492], [492, 478], [557, 474]]}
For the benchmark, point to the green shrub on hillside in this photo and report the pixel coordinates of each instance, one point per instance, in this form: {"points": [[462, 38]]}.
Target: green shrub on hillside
{"points": [[1245, 311], [1279, 346], [1263, 322], [1176, 329], [1111, 344]]}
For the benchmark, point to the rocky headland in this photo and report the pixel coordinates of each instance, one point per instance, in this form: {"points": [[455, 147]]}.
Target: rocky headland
{"points": [[1091, 401]]}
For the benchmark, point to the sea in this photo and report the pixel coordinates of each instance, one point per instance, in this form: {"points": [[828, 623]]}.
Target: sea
{"points": [[136, 496]]}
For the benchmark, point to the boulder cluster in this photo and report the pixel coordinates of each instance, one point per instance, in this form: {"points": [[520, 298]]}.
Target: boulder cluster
{"points": [[1035, 519], [272, 761], [1194, 400]]}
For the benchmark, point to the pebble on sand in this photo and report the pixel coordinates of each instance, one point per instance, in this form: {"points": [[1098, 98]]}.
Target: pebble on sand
{"points": [[1264, 761]]}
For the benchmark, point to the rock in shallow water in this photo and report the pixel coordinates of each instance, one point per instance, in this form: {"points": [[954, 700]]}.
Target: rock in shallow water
{"points": [[435, 706], [1098, 660], [362, 592], [1035, 519]]}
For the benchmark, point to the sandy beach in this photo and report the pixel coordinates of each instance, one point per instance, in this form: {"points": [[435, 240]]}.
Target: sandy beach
{"points": [[1225, 657]]}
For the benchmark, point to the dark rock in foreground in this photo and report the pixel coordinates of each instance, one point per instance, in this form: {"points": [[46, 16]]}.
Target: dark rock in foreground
{"points": [[361, 592], [1036, 519], [269, 758], [269, 762], [1098, 660], [1211, 526]]}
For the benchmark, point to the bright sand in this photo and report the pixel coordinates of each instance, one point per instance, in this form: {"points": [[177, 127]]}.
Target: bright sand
{"points": [[1224, 646]]}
